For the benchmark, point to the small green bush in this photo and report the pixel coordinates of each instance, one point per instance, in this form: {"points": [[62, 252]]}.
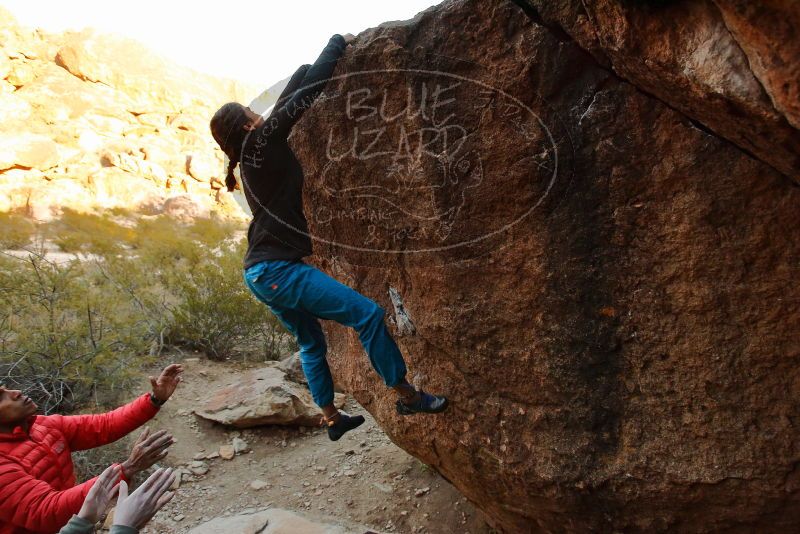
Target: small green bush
{"points": [[17, 230], [63, 337], [216, 313], [88, 233], [71, 330]]}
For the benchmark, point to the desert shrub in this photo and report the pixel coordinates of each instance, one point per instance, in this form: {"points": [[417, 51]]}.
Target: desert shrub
{"points": [[72, 330], [194, 287], [17, 230], [163, 238], [215, 231], [63, 335], [88, 233], [163, 242], [213, 311]]}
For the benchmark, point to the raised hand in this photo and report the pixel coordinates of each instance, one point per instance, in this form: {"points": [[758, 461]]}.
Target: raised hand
{"points": [[164, 386], [101, 494], [136, 509], [148, 449]]}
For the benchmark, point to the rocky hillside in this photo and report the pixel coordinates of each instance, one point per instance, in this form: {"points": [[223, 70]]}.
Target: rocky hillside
{"points": [[580, 219], [93, 121]]}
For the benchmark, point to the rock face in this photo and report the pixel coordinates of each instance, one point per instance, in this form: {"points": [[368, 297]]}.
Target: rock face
{"points": [[728, 64], [263, 397], [107, 124], [588, 214], [27, 151]]}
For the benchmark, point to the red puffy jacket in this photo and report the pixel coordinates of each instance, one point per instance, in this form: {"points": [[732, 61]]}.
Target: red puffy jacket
{"points": [[37, 481]]}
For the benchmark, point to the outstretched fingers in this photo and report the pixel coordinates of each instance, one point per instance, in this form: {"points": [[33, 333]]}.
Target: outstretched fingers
{"points": [[158, 494], [163, 484], [123, 491], [162, 441], [164, 499], [109, 476], [155, 487], [143, 436], [172, 370], [153, 438], [151, 481]]}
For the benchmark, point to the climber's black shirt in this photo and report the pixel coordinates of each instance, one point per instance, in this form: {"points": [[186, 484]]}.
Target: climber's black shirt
{"points": [[272, 178]]}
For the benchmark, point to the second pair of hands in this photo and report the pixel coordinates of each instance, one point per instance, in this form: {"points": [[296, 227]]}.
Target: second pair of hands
{"points": [[148, 450], [134, 509]]}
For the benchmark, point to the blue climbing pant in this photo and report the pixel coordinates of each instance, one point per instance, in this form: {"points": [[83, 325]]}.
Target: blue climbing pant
{"points": [[299, 294]]}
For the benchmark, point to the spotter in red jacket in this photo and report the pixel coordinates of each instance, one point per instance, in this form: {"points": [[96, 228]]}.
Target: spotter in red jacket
{"points": [[37, 480]]}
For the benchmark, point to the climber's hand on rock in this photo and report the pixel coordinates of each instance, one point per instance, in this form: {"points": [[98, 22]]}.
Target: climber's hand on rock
{"points": [[164, 386], [99, 497], [136, 509], [148, 449], [349, 38]]}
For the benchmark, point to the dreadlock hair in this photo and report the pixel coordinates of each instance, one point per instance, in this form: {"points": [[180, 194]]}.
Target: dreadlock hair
{"points": [[227, 127]]}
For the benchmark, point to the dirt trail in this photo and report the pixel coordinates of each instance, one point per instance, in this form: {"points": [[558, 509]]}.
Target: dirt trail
{"points": [[363, 478]]}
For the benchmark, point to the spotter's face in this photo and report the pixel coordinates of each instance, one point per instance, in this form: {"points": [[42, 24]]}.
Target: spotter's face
{"points": [[15, 407]]}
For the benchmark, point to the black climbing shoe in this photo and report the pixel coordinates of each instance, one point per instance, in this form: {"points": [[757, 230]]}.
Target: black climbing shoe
{"points": [[345, 424], [426, 403]]}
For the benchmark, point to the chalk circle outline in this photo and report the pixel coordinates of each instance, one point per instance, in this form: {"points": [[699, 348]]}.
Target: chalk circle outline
{"points": [[442, 248]]}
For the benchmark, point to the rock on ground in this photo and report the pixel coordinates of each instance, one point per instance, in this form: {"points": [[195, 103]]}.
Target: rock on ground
{"points": [[589, 230], [263, 397], [273, 521], [293, 368]]}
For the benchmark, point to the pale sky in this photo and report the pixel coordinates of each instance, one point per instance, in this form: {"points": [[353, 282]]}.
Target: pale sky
{"points": [[255, 41]]}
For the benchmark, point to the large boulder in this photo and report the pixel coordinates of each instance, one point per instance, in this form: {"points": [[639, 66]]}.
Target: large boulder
{"points": [[41, 199], [14, 108], [263, 397], [603, 286], [203, 168], [112, 187], [58, 97], [134, 165], [186, 207], [767, 33], [731, 65], [30, 151]]}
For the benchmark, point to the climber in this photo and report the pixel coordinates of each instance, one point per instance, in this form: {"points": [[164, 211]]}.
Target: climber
{"points": [[132, 512], [37, 480], [297, 293]]}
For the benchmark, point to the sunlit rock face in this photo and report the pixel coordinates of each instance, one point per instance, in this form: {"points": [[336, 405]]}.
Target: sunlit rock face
{"points": [[600, 275], [96, 122]]}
